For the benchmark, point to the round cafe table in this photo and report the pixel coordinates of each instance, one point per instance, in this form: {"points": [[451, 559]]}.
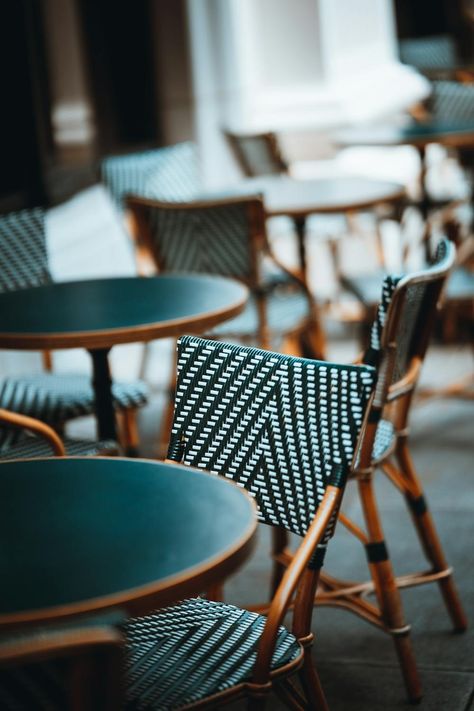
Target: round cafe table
{"points": [[454, 134], [300, 198], [100, 313], [87, 534]]}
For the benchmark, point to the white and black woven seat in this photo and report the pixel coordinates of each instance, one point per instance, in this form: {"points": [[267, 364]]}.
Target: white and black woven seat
{"points": [[30, 447], [286, 429], [52, 398], [169, 173], [57, 398], [182, 654]]}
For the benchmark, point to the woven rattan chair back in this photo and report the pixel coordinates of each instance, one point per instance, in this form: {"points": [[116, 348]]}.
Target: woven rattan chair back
{"points": [[451, 101], [403, 324], [222, 237], [170, 173], [278, 425], [257, 154], [23, 251]]}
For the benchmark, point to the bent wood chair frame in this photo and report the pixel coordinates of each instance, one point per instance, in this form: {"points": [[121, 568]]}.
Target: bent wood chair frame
{"points": [[402, 349], [191, 443], [310, 331]]}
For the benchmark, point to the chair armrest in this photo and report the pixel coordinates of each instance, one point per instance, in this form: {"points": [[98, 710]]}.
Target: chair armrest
{"points": [[38, 428]]}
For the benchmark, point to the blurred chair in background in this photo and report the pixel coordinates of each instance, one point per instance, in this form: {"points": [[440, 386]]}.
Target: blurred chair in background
{"points": [[52, 398], [64, 667], [36, 439]]}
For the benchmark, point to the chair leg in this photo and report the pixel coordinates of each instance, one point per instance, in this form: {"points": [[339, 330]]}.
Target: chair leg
{"points": [[279, 545], [428, 536], [387, 592], [311, 684], [130, 437]]}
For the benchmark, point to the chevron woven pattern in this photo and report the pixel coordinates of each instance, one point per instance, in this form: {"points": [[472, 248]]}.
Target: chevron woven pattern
{"points": [[181, 654], [23, 254], [213, 240], [48, 397], [170, 173], [275, 424], [57, 398]]}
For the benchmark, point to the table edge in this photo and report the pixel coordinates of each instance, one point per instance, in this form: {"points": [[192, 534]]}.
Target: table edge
{"points": [[144, 598]]}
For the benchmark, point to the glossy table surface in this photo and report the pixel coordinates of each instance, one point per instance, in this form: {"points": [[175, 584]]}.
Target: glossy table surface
{"points": [[103, 312], [415, 134], [85, 534], [298, 198]]}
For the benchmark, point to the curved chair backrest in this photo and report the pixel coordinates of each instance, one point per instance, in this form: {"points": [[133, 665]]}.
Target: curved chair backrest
{"points": [[280, 426], [257, 154], [23, 251], [170, 173], [212, 236], [404, 321]]}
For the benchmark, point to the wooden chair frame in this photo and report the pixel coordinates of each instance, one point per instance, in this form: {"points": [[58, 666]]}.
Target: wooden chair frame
{"points": [[36, 427], [306, 339], [313, 340], [395, 397], [298, 583], [95, 662], [269, 139]]}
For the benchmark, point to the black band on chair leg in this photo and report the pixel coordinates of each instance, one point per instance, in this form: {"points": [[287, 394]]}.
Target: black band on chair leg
{"points": [[376, 552], [317, 559], [418, 506]]}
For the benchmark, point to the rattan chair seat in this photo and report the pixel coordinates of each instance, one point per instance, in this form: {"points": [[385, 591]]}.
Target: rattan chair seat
{"points": [[30, 447], [57, 398], [193, 650]]}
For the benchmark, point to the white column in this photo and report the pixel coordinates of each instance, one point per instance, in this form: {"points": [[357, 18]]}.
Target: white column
{"points": [[290, 65]]}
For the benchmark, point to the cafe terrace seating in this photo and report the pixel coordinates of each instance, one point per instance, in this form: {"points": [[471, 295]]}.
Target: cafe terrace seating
{"points": [[68, 665], [286, 429], [53, 398], [227, 236], [399, 339]]}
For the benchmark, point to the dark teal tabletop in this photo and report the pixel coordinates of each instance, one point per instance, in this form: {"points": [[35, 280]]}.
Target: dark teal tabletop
{"points": [[84, 534], [103, 312], [416, 134]]}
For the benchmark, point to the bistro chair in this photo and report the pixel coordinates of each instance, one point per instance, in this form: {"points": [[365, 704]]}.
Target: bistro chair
{"points": [[68, 667], [286, 429], [52, 398], [228, 237], [169, 173], [257, 153], [400, 336], [40, 440]]}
